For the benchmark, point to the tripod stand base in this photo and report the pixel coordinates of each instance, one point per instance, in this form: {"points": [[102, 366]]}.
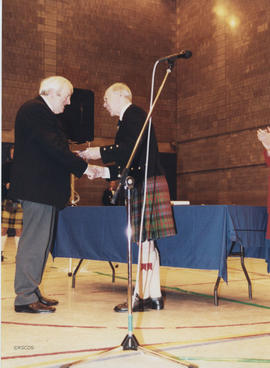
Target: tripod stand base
{"points": [[130, 343]]}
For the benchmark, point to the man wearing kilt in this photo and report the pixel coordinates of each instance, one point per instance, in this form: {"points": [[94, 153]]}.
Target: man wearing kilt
{"points": [[158, 219], [11, 219], [12, 214]]}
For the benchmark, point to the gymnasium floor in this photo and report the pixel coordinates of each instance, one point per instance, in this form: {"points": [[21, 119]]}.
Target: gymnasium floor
{"points": [[191, 328]]}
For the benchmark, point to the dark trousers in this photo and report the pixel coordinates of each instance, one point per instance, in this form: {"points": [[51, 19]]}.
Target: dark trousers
{"points": [[33, 250]]}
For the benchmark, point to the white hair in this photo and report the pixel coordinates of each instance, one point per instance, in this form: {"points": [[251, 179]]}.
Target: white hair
{"points": [[55, 82], [120, 87]]}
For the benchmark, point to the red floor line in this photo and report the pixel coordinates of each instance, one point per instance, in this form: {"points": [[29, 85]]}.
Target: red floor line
{"points": [[240, 337], [47, 325], [135, 328], [74, 326], [56, 353]]}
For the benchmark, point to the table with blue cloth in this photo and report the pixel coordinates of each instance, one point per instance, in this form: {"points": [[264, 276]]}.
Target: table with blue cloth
{"points": [[205, 235]]}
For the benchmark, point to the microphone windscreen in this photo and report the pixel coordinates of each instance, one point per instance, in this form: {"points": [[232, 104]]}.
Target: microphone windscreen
{"points": [[187, 54]]}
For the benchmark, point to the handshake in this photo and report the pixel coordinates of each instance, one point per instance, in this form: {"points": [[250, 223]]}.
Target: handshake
{"points": [[93, 171]]}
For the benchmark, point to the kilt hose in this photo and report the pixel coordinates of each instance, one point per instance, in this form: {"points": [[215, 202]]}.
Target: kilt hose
{"points": [[158, 219]]}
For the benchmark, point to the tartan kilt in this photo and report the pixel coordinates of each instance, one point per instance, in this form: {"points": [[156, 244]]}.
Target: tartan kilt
{"points": [[12, 215], [158, 219]]}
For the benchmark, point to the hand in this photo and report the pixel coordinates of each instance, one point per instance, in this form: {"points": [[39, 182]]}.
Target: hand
{"points": [[264, 137], [94, 172], [91, 153]]}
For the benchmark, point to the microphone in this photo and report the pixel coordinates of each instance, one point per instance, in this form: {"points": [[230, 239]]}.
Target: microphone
{"points": [[184, 54]]}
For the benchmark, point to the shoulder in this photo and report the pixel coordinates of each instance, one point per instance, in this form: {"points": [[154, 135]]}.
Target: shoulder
{"points": [[34, 109], [34, 104], [134, 112]]}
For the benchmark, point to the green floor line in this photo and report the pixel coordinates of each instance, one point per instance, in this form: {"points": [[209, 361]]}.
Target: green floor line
{"points": [[195, 293], [220, 298], [232, 360]]}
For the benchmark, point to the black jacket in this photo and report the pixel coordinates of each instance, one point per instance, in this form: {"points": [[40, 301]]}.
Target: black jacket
{"points": [[43, 161], [119, 152]]}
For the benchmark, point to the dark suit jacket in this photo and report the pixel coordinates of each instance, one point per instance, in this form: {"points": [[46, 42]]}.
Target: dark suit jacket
{"points": [[119, 153], [43, 161]]}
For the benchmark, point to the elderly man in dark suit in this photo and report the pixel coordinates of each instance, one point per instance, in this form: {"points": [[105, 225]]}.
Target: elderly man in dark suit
{"points": [[158, 220], [40, 180]]}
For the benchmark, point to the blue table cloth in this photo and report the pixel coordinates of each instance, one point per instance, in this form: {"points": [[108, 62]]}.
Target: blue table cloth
{"points": [[203, 241]]}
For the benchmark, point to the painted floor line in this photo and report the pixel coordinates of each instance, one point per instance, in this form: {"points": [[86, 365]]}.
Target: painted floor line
{"points": [[231, 281], [220, 298], [49, 325], [55, 353], [197, 294], [212, 340], [226, 325], [137, 328], [79, 359], [102, 352], [180, 345], [224, 360]]}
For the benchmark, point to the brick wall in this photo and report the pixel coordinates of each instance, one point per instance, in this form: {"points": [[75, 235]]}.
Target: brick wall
{"points": [[211, 105], [223, 97], [22, 56], [94, 44]]}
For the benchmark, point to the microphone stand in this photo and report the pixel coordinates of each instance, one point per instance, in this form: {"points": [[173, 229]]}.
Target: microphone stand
{"points": [[130, 342]]}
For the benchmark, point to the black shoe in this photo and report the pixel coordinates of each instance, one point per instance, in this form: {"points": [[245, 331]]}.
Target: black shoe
{"points": [[157, 303], [139, 305], [36, 307], [147, 303], [46, 301]]}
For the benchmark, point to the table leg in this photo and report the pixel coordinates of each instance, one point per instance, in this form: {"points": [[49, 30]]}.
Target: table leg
{"points": [[242, 255], [216, 291], [113, 270], [74, 273]]}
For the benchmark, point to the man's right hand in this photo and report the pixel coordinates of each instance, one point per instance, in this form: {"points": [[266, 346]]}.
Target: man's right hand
{"points": [[94, 172], [91, 153]]}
